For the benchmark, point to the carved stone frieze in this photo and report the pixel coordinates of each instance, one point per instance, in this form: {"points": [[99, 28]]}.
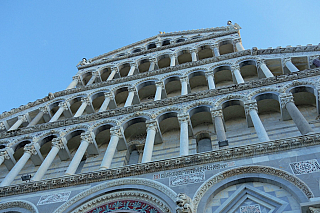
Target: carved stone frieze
{"points": [[184, 204]]}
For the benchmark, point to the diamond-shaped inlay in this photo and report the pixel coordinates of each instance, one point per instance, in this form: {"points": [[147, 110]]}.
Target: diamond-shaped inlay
{"points": [[250, 209], [305, 167]]}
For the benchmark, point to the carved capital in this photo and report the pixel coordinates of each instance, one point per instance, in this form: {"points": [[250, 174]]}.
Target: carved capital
{"points": [[159, 84], [43, 109], [63, 105], [235, 67], [76, 77], [5, 154], [251, 106], [209, 73], [314, 210], [215, 46], [132, 89], [86, 136], [285, 60], [114, 69], [108, 95], [23, 118], [57, 142], [31, 149], [2, 126], [184, 203], [173, 55], [184, 79], [154, 60], [133, 64], [216, 112], [85, 100], [116, 131], [236, 40], [193, 50], [151, 124], [183, 118], [260, 62], [285, 98]]}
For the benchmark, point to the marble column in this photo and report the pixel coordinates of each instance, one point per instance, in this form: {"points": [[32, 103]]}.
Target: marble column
{"points": [[172, 60], [194, 54], [115, 135], [159, 86], [86, 139], [218, 123], [107, 98], [215, 48], [148, 146], [35, 120], [288, 63], [237, 74], [153, 62], [262, 64], [184, 85], [62, 106], [21, 119], [57, 144], [85, 102], [210, 79], [114, 70], [75, 81], [184, 135], [130, 97], [237, 42], [252, 110], [132, 69], [29, 150], [300, 121]]}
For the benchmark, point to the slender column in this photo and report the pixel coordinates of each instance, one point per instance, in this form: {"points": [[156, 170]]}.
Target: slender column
{"points": [[252, 110], [209, 76], [184, 85], [194, 55], [148, 146], [21, 119], [172, 60], [237, 74], [159, 86], [288, 63], [130, 97], [107, 98], [184, 138], [215, 48], [300, 121], [153, 62], [262, 64], [75, 81], [132, 69], [93, 78], [108, 156], [114, 70], [62, 106], [238, 44], [35, 120], [220, 131], [86, 139], [85, 102], [29, 150], [57, 144]]}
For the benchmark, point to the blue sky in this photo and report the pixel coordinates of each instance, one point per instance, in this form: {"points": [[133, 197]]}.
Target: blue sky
{"points": [[41, 42]]}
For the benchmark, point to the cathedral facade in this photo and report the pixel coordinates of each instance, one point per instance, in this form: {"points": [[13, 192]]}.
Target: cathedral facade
{"points": [[186, 122]]}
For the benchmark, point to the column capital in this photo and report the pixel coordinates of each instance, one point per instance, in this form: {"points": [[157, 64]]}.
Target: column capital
{"points": [[314, 210], [133, 64], [63, 105], [108, 95], [86, 136], [85, 100], [151, 124], [2, 126], [43, 109], [115, 131], [57, 142], [216, 112], [260, 62], [236, 40], [251, 106], [30, 148], [193, 50], [285, 98], [209, 73], [23, 118], [153, 60], [183, 118], [132, 89], [76, 77], [173, 55], [235, 67], [96, 73], [5, 154], [285, 60], [215, 45], [114, 69], [184, 78]]}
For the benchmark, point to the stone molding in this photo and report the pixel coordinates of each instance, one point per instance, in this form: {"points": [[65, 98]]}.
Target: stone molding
{"points": [[132, 181], [20, 204], [165, 102], [247, 170], [163, 165], [157, 72]]}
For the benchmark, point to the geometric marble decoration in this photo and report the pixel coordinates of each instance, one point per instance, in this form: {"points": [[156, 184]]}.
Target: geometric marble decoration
{"points": [[248, 199], [305, 167], [54, 198]]}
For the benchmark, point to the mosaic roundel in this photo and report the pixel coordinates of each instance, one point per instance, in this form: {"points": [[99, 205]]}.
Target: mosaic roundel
{"points": [[126, 206]]}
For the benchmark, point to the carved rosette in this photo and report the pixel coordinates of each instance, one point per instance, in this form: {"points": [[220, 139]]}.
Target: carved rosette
{"points": [[314, 210], [115, 131], [285, 98], [151, 124], [31, 149], [86, 136], [183, 118], [216, 113], [57, 142], [250, 106]]}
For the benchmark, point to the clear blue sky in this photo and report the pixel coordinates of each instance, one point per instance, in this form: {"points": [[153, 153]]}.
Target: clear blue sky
{"points": [[41, 42]]}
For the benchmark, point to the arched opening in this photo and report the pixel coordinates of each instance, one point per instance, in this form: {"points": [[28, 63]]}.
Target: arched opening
{"points": [[198, 81], [136, 50], [166, 42], [86, 78], [144, 65], [75, 104], [248, 70], [19, 149], [203, 142], [226, 47], [97, 100], [151, 46], [164, 61], [184, 56], [121, 95], [274, 66], [124, 69], [45, 145], [121, 54], [172, 86], [180, 40], [201, 120], [223, 76], [105, 73], [146, 91], [205, 52]]}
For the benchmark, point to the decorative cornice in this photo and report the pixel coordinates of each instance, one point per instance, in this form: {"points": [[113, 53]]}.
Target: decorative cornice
{"points": [[166, 102], [250, 150], [20, 204]]}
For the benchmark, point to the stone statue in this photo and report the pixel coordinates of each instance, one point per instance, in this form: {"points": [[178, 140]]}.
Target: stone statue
{"points": [[83, 62], [184, 203], [233, 26]]}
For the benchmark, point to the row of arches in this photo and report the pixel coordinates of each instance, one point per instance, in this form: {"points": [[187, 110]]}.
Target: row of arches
{"points": [[201, 126]]}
